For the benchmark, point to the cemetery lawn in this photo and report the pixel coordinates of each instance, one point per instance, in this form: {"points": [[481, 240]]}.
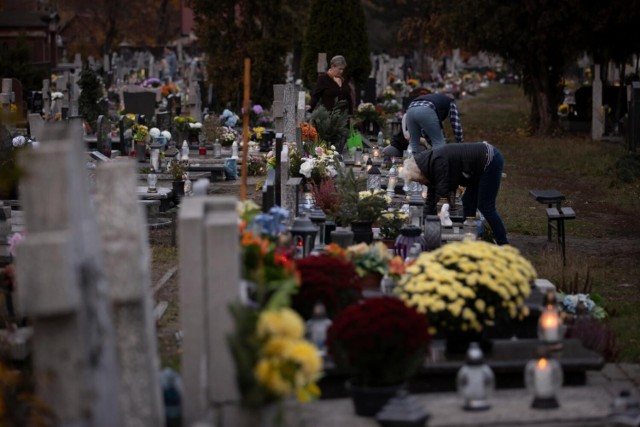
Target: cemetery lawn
{"points": [[603, 242]]}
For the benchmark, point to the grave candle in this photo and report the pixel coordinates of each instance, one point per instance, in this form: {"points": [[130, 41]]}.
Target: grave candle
{"points": [[376, 152], [543, 386], [549, 325], [543, 378]]}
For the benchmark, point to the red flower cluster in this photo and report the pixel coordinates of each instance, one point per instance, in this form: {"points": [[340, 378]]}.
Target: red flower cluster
{"points": [[379, 342], [330, 280]]}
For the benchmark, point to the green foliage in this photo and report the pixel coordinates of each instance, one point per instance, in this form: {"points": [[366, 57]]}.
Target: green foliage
{"points": [[15, 62], [88, 105], [331, 125], [348, 187], [230, 30], [627, 168], [338, 29]]}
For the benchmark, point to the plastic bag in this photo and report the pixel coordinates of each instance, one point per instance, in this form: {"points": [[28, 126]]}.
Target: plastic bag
{"points": [[355, 139]]}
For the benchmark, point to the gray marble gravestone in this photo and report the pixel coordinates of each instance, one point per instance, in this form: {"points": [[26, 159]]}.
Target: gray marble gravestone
{"points": [[63, 289], [127, 265], [46, 99], [209, 281], [289, 113], [103, 134], [277, 108]]}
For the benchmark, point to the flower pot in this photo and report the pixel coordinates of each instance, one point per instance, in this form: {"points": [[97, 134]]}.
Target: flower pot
{"points": [[371, 281], [342, 237], [141, 154], [368, 401], [329, 227], [362, 231], [178, 189]]}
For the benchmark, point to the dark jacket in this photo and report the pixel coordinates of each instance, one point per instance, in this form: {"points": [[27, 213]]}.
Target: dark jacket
{"points": [[450, 166], [327, 92], [440, 101]]}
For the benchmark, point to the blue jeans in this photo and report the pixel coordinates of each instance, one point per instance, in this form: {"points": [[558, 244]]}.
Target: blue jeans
{"points": [[482, 196], [424, 118]]}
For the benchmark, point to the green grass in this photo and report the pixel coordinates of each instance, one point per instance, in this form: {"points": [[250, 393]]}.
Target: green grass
{"points": [[585, 171]]}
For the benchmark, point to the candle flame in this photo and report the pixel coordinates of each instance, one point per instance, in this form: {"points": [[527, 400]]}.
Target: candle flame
{"points": [[542, 363], [550, 320]]}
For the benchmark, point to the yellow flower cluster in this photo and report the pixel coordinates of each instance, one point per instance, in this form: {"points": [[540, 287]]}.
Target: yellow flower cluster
{"points": [[467, 285], [288, 364]]}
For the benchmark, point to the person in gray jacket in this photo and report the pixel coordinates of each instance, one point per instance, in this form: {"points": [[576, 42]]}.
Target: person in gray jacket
{"points": [[476, 166]]}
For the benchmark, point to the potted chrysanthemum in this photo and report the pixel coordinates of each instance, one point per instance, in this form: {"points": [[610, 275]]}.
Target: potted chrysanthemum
{"points": [[465, 287], [379, 344]]}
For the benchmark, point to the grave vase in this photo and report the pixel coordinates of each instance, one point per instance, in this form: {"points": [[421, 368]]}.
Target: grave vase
{"points": [[178, 189], [362, 231], [141, 152], [368, 401]]}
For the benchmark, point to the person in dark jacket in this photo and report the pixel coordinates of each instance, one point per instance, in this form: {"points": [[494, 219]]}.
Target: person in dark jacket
{"points": [[332, 87], [425, 115], [476, 166]]}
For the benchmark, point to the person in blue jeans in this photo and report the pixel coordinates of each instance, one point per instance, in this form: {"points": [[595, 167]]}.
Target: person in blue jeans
{"points": [[477, 166], [425, 115]]}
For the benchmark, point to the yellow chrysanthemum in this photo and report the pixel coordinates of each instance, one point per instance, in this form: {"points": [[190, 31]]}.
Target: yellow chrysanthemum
{"points": [[283, 322]]}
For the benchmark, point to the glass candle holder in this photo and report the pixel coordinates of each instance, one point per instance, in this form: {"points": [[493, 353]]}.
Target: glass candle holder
{"points": [[543, 378]]}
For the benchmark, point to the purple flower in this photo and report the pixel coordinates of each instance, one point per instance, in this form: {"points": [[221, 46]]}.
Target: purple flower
{"points": [[258, 109], [14, 241]]}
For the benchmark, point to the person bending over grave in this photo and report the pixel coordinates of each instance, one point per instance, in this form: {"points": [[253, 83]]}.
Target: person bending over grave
{"points": [[400, 142], [476, 166], [425, 115]]}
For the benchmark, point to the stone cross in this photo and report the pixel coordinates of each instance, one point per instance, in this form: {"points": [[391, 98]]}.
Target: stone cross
{"points": [[74, 93], [127, 257], [63, 289], [289, 112], [153, 72], [300, 118], [209, 282], [597, 117], [277, 108]]}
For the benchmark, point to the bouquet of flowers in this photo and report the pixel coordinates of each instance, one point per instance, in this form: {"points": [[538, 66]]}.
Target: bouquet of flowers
{"points": [[391, 222], [369, 113], [228, 136], [183, 123], [272, 359], [320, 165], [229, 118], [329, 279], [465, 286], [372, 258], [309, 132], [140, 133], [574, 303], [379, 342]]}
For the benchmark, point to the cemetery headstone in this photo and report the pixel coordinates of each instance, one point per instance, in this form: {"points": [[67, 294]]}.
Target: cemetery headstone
{"points": [[289, 113], [141, 102], [269, 191], [209, 279], [63, 288], [126, 257], [322, 62], [277, 108]]}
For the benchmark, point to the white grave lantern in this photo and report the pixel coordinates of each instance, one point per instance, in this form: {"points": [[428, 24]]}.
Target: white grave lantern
{"points": [[373, 178], [475, 381]]}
